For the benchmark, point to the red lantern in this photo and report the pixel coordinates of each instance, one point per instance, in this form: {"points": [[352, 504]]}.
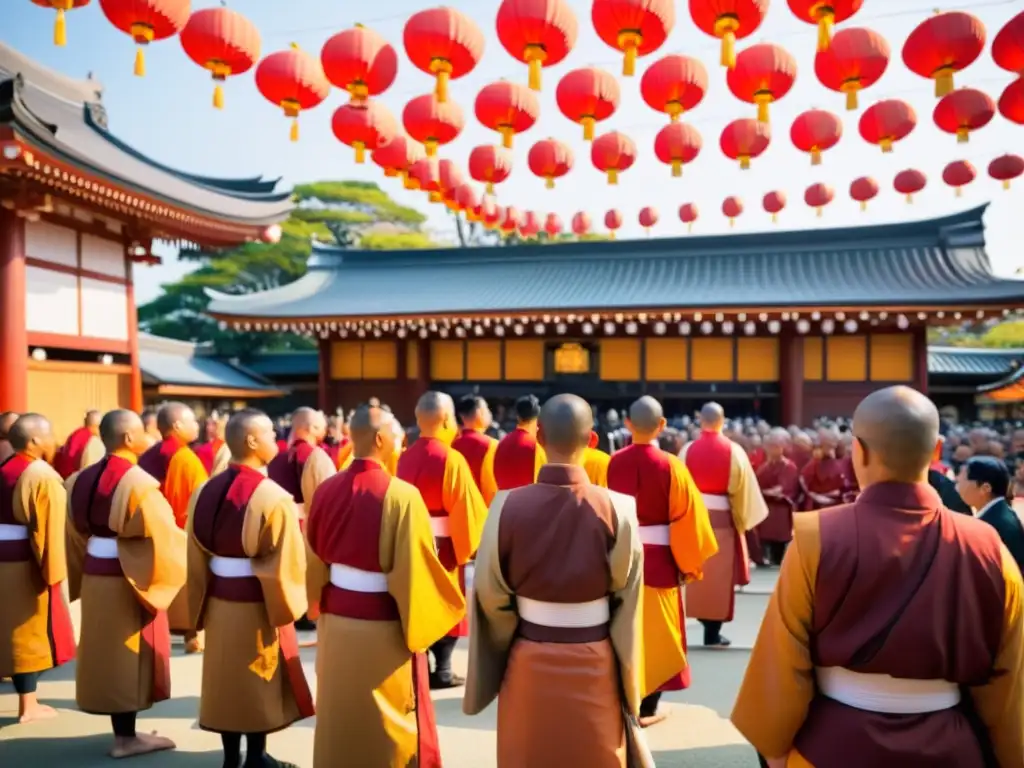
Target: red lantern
{"points": [[612, 222], [732, 207], [510, 223], [366, 126], [909, 183], [1008, 45], [744, 139], [550, 159], [824, 13], [445, 43], [491, 214], [552, 225], [729, 21], [1006, 168], [359, 61], [449, 175], [540, 33], [146, 21], [490, 165], [612, 153], [887, 122], [763, 73], [773, 203], [648, 217], [581, 224], [397, 155], [943, 45], [674, 84], [863, 189], [819, 195], [963, 111], [1011, 103], [427, 174], [856, 59], [635, 27], [529, 225], [468, 200], [677, 144], [814, 131], [224, 42], [60, 29], [449, 196], [508, 108], [958, 175], [587, 96], [432, 122], [688, 213], [293, 80]]}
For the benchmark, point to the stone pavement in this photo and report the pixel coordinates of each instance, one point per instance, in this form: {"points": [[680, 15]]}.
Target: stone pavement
{"points": [[697, 733]]}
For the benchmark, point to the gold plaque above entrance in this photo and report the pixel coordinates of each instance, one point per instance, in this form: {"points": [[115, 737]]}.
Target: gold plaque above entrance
{"points": [[572, 358]]}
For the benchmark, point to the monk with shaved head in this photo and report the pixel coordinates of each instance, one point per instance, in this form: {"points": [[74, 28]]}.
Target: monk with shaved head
{"points": [[384, 597], [519, 456], [7, 419], [82, 448], [826, 477], [676, 533], [895, 636], [725, 478], [35, 626], [457, 509], [126, 561], [779, 479], [180, 473], [555, 624], [214, 451], [476, 445], [247, 565]]}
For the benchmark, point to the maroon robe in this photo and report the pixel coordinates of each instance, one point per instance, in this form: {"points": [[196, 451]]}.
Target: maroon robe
{"points": [[778, 527], [286, 469], [825, 476]]}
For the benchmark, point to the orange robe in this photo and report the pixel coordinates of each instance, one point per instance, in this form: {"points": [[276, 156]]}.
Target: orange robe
{"points": [[517, 459], [678, 538], [595, 462], [457, 510], [180, 473], [478, 450], [874, 601], [35, 625], [383, 598]]}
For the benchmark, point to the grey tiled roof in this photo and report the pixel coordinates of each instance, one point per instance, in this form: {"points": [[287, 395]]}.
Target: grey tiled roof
{"points": [[935, 262], [171, 362], [961, 361], [273, 364]]}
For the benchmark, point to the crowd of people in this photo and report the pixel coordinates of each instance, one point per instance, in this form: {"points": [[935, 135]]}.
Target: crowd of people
{"points": [[562, 547]]}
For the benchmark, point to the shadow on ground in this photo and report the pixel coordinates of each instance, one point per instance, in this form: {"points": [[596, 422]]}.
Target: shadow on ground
{"points": [[93, 751], [732, 756], [449, 713]]}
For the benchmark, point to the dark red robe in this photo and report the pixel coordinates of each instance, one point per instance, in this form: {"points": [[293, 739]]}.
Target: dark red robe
{"points": [[778, 526]]}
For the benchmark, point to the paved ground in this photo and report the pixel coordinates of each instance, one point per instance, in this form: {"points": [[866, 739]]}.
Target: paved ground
{"points": [[696, 735]]}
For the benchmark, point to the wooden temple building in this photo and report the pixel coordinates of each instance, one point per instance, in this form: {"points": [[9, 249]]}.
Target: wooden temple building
{"points": [[787, 325], [79, 213]]}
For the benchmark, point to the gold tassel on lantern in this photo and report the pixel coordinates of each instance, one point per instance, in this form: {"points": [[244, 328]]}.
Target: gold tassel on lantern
{"points": [[762, 99], [549, 182], [677, 167], [613, 176], [629, 41], [744, 162], [291, 109], [943, 81], [431, 146], [910, 199], [963, 135], [60, 24], [863, 205], [826, 19], [220, 74], [142, 34], [611, 234], [732, 222], [850, 89], [1006, 183], [959, 192], [588, 127], [140, 62], [815, 156], [489, 188], [360, 149], [293, 134], [819, 212], [218, 96], [443, 70], [534, 55], [886, 144], [507, 132], [726, 28], [775, 218]]}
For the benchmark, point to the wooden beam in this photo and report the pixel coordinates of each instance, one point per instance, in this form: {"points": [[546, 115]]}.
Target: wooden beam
{"points": [[13, 296], [185, 390]]}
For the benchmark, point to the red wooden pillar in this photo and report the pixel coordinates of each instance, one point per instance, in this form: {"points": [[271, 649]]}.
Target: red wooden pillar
{"points": [[791, 378], [323, 398], [13, 297], [920, 352], [135, 402]]}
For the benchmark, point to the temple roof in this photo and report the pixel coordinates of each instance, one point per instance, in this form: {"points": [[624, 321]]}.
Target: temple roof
{"points": [[179, 366], [65, 117], [969, 361], [933, 263]]}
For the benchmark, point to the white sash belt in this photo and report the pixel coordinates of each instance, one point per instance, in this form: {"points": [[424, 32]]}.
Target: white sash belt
{"points": [[347, 577], [885, 694], [564, 615], [654, 534], [102, 547], [10, 532], [231, 567], [440, 527], [715, 501]]}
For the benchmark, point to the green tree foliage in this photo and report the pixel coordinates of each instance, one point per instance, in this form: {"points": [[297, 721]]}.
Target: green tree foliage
{"points": [[328, 211], [1003, 335]]}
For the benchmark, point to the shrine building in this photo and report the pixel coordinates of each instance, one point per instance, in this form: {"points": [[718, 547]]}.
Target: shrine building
{"points": [[790, 325], [79, 213]]}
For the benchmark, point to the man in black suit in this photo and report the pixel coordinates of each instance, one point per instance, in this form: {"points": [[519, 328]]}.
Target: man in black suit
{"points": [[984, 482]]}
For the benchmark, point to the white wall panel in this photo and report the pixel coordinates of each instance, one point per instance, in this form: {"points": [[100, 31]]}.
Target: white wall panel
{"points": [[52, 302], [103, 256], [104, 310], [48, 242]]}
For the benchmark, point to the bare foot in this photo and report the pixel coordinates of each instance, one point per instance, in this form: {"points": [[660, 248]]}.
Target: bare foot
{"points": [[193, 645], [649, 720], [142, 744], [37, 712]]}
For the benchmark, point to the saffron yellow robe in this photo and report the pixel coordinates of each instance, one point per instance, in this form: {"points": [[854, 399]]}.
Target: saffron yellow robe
{"points": [[596, 463]]}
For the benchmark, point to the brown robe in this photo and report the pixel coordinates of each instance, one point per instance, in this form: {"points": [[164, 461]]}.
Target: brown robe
{"points": [[778, 526], [124, 645], [35, 625], [894, 584], [562, 693], [252, 674], [827, 476]]}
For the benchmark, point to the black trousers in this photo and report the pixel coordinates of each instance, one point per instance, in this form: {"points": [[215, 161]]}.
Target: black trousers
{"points": [[774, 551], [442, 651], [25, 683], [256, 748], [124, 724], [649, 705], [712, 631]]}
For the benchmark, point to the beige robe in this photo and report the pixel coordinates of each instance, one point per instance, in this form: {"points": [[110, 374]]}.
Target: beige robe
{"points": [[221, 460], [115, 669], [94, 451]]}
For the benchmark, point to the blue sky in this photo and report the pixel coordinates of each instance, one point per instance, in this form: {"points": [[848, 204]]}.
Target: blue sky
{"points": [[168, 116]]}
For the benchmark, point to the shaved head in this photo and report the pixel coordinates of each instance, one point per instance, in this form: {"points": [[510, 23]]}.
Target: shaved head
{"points": [[169, 414], [32, 434], [309, 424], [92, 419], [433, 411], [646, 414], [250, 437], [566, 422], [7, 419], [372, 433], [712, 417], [118, 427], [897, 429]]}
